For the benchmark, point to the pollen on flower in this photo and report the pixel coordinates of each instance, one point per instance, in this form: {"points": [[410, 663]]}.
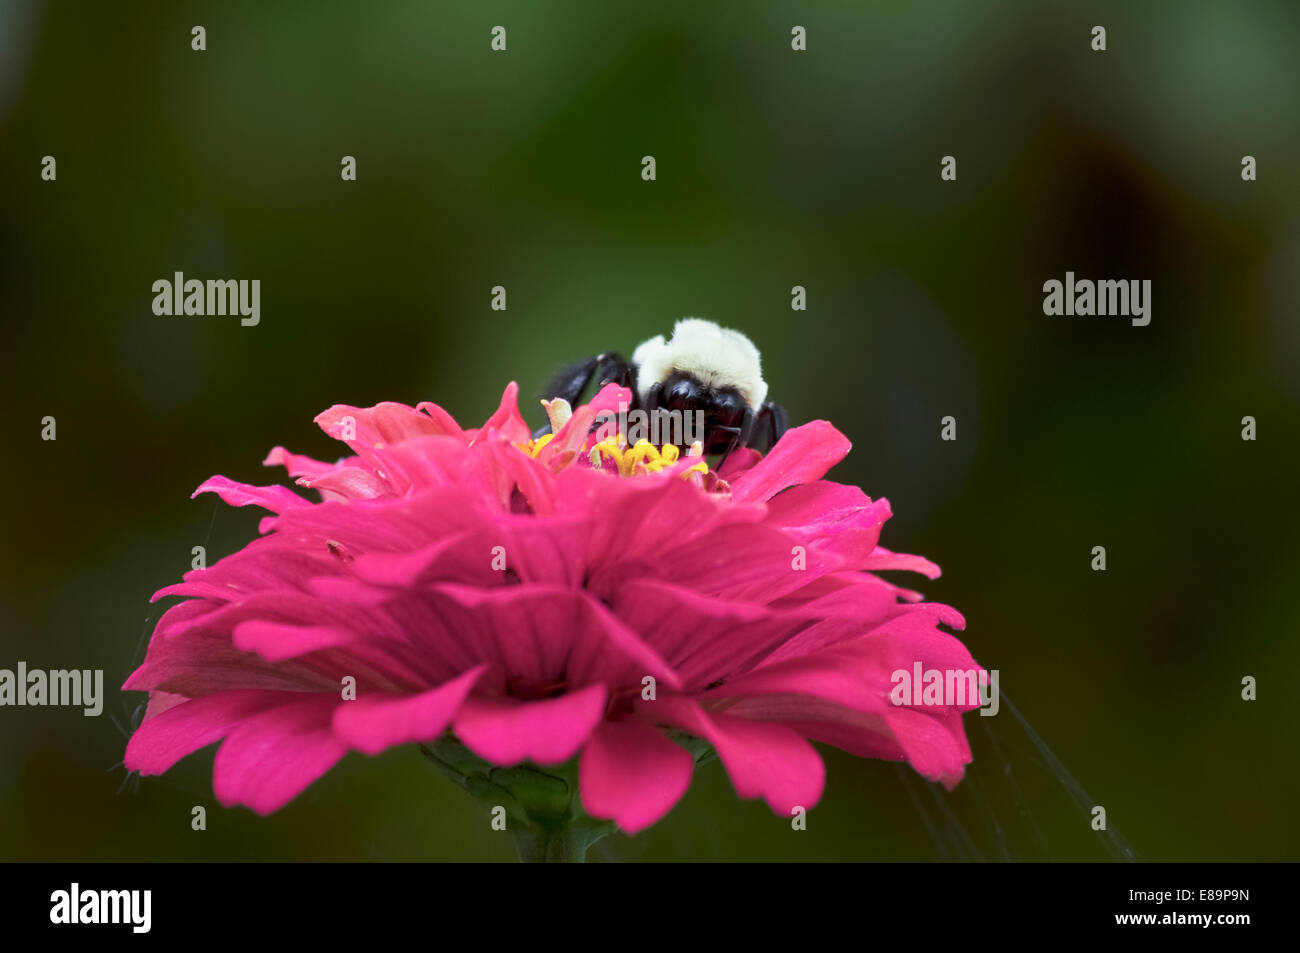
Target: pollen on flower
{"points": [[534, 447], [639, 459], [642, 457]]}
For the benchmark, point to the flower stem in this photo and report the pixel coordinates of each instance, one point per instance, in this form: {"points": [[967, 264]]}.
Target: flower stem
{"points": [[543, 808], [554, 846]]}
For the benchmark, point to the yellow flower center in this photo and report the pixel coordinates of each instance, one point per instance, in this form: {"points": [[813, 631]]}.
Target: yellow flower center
{"points": [[534, 447], [642, 457]]}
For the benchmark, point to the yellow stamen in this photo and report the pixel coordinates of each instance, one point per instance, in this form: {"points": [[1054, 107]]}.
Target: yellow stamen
{"points": [[534, 447], [642, 458], [608, 447], [644, 451]]}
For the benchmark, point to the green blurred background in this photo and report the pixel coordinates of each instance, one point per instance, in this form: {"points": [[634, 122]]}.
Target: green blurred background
{"points": [[775, 168]]}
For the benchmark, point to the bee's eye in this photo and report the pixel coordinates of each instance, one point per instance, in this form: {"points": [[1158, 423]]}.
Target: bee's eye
{"points": [[728, 409], [682, 395]]}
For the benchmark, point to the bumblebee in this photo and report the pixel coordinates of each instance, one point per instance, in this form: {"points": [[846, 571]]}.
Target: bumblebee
{"points": [[703, 369]]}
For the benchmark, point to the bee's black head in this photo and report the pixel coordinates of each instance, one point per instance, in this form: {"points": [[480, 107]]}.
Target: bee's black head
{"points": [[723, 407]]}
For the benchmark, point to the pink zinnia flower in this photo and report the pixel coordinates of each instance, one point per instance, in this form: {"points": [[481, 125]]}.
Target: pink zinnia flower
{"points": [[541, 601]]}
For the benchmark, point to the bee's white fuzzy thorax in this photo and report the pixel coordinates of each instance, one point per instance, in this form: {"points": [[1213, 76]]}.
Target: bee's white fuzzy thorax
{"points": [[716, 356]]}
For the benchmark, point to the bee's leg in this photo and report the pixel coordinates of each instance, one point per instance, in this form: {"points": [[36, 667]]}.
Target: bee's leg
{"points": [[572, 382], [569, 383], [652, 405], [740, 435], [613, 369], [775, 422], [607, 368]]}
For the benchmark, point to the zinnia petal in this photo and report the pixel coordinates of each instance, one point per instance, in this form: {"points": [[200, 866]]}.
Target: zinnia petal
{"points": [[375, 722], [763, 759], [268, 759], [803, 455], [507, 731], [632, 774], [166, 737]]}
